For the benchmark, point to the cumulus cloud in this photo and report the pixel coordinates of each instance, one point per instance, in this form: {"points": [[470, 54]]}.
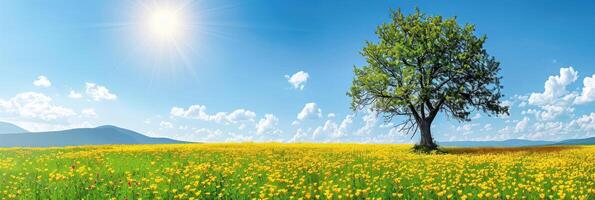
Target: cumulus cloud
{"points": [[42, 81], [74, 95], [549, 112], [267, 124], [466, 128], [580, 127], [35, 105], [546, 127], [332, 129], [555, 99], [554, 87], [240, 115], [98, 92], [298, 80], [487, 127], [370, 120], [585, 122], [345, 123], [300, 135], [329, 126], [199, 112], [310, 110], [211, 135], [521, 125], [166, 124], [588, 93]]}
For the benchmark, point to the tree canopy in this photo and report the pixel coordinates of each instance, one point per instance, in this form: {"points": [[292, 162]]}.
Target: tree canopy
{"points": [[422, 65]]}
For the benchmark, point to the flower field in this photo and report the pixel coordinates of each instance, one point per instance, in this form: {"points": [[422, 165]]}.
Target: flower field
{"points": [[295, 171]]}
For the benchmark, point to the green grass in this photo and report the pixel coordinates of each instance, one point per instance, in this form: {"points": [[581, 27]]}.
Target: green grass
{"points": [[293, 171]]}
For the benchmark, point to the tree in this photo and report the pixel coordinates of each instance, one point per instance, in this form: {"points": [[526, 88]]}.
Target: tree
{"points": [[423, 65]]}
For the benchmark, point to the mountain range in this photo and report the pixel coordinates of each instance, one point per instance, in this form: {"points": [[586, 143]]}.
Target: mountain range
{"points": [[74, 137], [14, 136], [11, 128]]}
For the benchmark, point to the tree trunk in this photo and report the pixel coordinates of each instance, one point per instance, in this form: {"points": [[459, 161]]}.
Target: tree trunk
{"points": [[426, 136]]}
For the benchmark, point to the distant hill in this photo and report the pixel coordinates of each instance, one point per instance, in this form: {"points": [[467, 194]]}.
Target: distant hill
{"points": [[10, 128], [584, 141], [518, 143], [81, 136]]}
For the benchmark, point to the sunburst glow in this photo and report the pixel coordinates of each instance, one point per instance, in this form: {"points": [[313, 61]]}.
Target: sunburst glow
{"points": [[165, 23], [164, 36]]}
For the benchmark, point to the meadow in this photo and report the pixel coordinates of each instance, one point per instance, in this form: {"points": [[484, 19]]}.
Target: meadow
{"points": [[295, 171]]}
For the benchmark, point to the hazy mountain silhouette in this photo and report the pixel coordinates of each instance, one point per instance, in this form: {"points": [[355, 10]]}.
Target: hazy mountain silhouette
{"points": [[583, 141], [518, 143], [10, 128], [80, 136], [14, 136]]}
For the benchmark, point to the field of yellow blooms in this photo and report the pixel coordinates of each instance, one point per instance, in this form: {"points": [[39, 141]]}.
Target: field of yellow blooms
{"points": [[295, 171]]}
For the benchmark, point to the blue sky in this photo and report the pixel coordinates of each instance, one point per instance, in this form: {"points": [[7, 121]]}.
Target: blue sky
{"points": [[276, 70]]}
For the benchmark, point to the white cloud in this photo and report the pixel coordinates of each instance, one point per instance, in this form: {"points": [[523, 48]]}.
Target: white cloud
{"points": [[166, 124], [581, 127], [89, 112], [466, 128], [523, 100], [369, 122], [585, 122], [521, 125], [395, 131], [332, 129], [35, 105], [298, 80], [549, 112], [331, 115], [195, 134], [346, 122], [199, 112], [74, 95], [546, 127], [476, 116], [241, 115], [98, 92], [42, 81], [588, 93], [266, 124], [329, 126], [554, 87], [487, 127], [300, 135], [194, 111], [310, 110], [555, 100]]}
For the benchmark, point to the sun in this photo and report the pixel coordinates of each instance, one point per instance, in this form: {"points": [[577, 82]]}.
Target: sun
{"points": [[165, 23], [165, 38]]}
